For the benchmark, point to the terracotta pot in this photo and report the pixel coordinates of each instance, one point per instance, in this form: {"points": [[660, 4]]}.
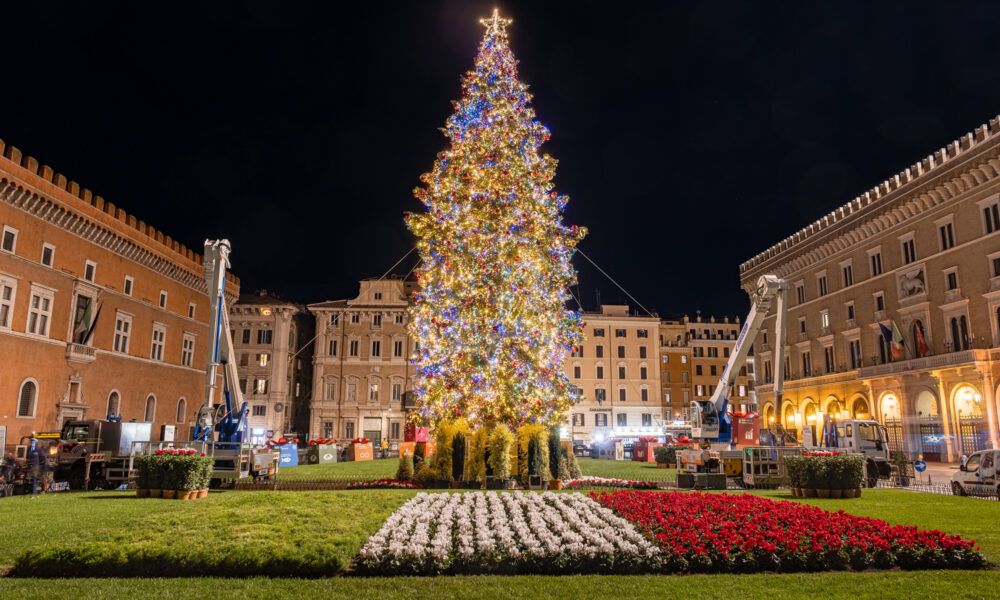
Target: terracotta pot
{"points": [[155, 493], [169, 494], [203, 493], [810, 492], [797, 492], [857, 492], [822, 493], [142, 493], [661, 465], [454, 485], [837, 493]]}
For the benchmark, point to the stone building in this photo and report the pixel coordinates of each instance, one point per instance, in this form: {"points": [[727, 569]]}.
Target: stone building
{"points": [[100, 313], [616, 369], [675, 371], [361, 363], [918, 254], [271, 341]]}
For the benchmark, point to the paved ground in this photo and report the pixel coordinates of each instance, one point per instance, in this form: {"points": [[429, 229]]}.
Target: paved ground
{"points": [[938, 472]]}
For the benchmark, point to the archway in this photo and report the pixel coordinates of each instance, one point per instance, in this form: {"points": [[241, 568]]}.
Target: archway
{"points": [[972, 428], [788, 416], [892, 417], [769, 417], [810, 419], [834, 408], [928, 413], [860, 408]]}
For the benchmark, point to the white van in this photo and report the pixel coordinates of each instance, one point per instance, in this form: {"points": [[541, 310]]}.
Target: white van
{"points": [[978, 476]]}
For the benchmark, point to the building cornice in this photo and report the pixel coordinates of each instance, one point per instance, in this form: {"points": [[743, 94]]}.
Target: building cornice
{"points": [[962, 165]]}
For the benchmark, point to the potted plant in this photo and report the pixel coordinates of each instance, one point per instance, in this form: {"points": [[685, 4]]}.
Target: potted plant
{"points": [[404, 472], [501, 441], [809, 477], [665, 456], [793, 468], [155, 466], [142, 475]]}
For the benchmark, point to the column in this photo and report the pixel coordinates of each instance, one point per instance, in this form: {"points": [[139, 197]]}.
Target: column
{"points": [[946, 407], [989, 399]]}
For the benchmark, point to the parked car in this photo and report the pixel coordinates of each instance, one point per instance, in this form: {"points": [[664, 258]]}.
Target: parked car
{"points": [[581, 449], [977, 476]]}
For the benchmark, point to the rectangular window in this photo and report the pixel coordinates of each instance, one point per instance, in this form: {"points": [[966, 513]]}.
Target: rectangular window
{"points": [[39, 312], [642, 372], [875, 263], [699, 390], [397, 392], [259, 410], [394, 430], [352, 348], [848, 274], [263, 358], [576, 371], [123, 331], [9, 241], [349, 429], [996, 266], [697, 370], [806, 364], [187, 350], [946, 236], [264, 336], [824, 319], [598, 352], [802, 324], [397, 348], [622, 394], [334, 319], [159, 340], [378, 295], [622, 419], [48, 254], [373, 392], [849, 307], [647, 420], [260, 385], [163, 299], [828, 359], [600, 419], [800, 293], [908, 250], [855, 347], [642, 352], [332, 348], [713, 370], [398, 319], [821, 285], [89, 270], [951, 280], [244, 359], [644, 394], [330, 390], [376, 348], [621, 351], [355, 318], [619, 333], [991, 217], [600, 395], [880, 301], [642, 333], [7, 289], [598, 332], [376, 321], [578, 419], [600, 372], [246, 336], [621, 372]]}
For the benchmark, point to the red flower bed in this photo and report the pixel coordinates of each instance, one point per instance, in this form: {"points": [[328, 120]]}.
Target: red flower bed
{"points": [[743, 533], [605, 482]]}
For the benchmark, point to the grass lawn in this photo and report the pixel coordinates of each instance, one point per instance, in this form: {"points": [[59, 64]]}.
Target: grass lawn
{"points": [[379, 468], [319, 532], [624, 469]]}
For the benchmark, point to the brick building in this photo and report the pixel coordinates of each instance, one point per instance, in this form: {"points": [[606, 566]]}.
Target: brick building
{"points": [[100, 313]]}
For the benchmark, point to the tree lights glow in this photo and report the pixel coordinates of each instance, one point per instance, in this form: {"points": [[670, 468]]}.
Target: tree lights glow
{"points": [[491, 316]]}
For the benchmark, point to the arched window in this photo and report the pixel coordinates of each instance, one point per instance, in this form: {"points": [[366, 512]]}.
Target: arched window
{"points": [[26, 398], [150, 412], [181, 410], [114, 402], [919, 338], [955, 336], [963, 326]]}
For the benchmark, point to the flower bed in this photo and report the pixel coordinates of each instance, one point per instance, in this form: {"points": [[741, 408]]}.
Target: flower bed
{"points": [[384, 484], [607, 482], [743, 533], [516, 532]]}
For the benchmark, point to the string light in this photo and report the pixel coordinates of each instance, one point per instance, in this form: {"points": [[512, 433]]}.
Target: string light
{"points": [[495, 271]]}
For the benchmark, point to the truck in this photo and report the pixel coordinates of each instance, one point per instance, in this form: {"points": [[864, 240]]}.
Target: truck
{"points": [[97, 452], [860, 436], [977, 476]]}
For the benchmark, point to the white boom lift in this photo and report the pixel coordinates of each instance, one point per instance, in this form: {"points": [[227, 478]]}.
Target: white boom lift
{"points": [[229, 419], [711, 422]]}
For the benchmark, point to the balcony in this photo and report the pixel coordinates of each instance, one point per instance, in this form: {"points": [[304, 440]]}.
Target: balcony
{"points": [[850, 324], [953, 295], [995, 284], [926, 362], [880, 315], [803, 336], [80, 353]]}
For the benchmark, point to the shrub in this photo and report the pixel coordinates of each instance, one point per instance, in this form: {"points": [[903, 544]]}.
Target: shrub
{"points": [[425, 473], [457, 456], [665, 455], [830, 472], [574, 467], [405, 470], [554, 454], [532, 463], [418, 457], [501, 441], [444, 435], [475, 455]]}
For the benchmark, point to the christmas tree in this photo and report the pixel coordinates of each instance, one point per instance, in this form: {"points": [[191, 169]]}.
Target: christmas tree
{"points": [[491, 316]]}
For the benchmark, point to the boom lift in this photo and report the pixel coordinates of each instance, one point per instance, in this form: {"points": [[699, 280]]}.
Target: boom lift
{"points": [[711, 422]]}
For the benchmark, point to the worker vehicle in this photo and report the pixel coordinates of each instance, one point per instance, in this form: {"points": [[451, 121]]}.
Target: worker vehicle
{"points": [[96, 453], [977, 476], [711, 419], [860, 436]]}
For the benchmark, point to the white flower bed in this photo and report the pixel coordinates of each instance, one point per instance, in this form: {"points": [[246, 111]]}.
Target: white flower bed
{"points": [[506, 532]]}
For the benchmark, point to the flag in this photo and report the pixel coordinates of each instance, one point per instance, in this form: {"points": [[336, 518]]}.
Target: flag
{"points": [[93, 324], [897, 343], [83, 320], [922, 348]]}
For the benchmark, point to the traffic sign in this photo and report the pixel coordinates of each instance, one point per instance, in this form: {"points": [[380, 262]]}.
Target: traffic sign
{"points": [[920, 466]]}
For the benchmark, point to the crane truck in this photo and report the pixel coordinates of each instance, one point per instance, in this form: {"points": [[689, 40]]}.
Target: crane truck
{"points": [[712, 424]]}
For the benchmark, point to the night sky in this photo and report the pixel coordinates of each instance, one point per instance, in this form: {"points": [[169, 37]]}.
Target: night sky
{"points": [[690, 135]]}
